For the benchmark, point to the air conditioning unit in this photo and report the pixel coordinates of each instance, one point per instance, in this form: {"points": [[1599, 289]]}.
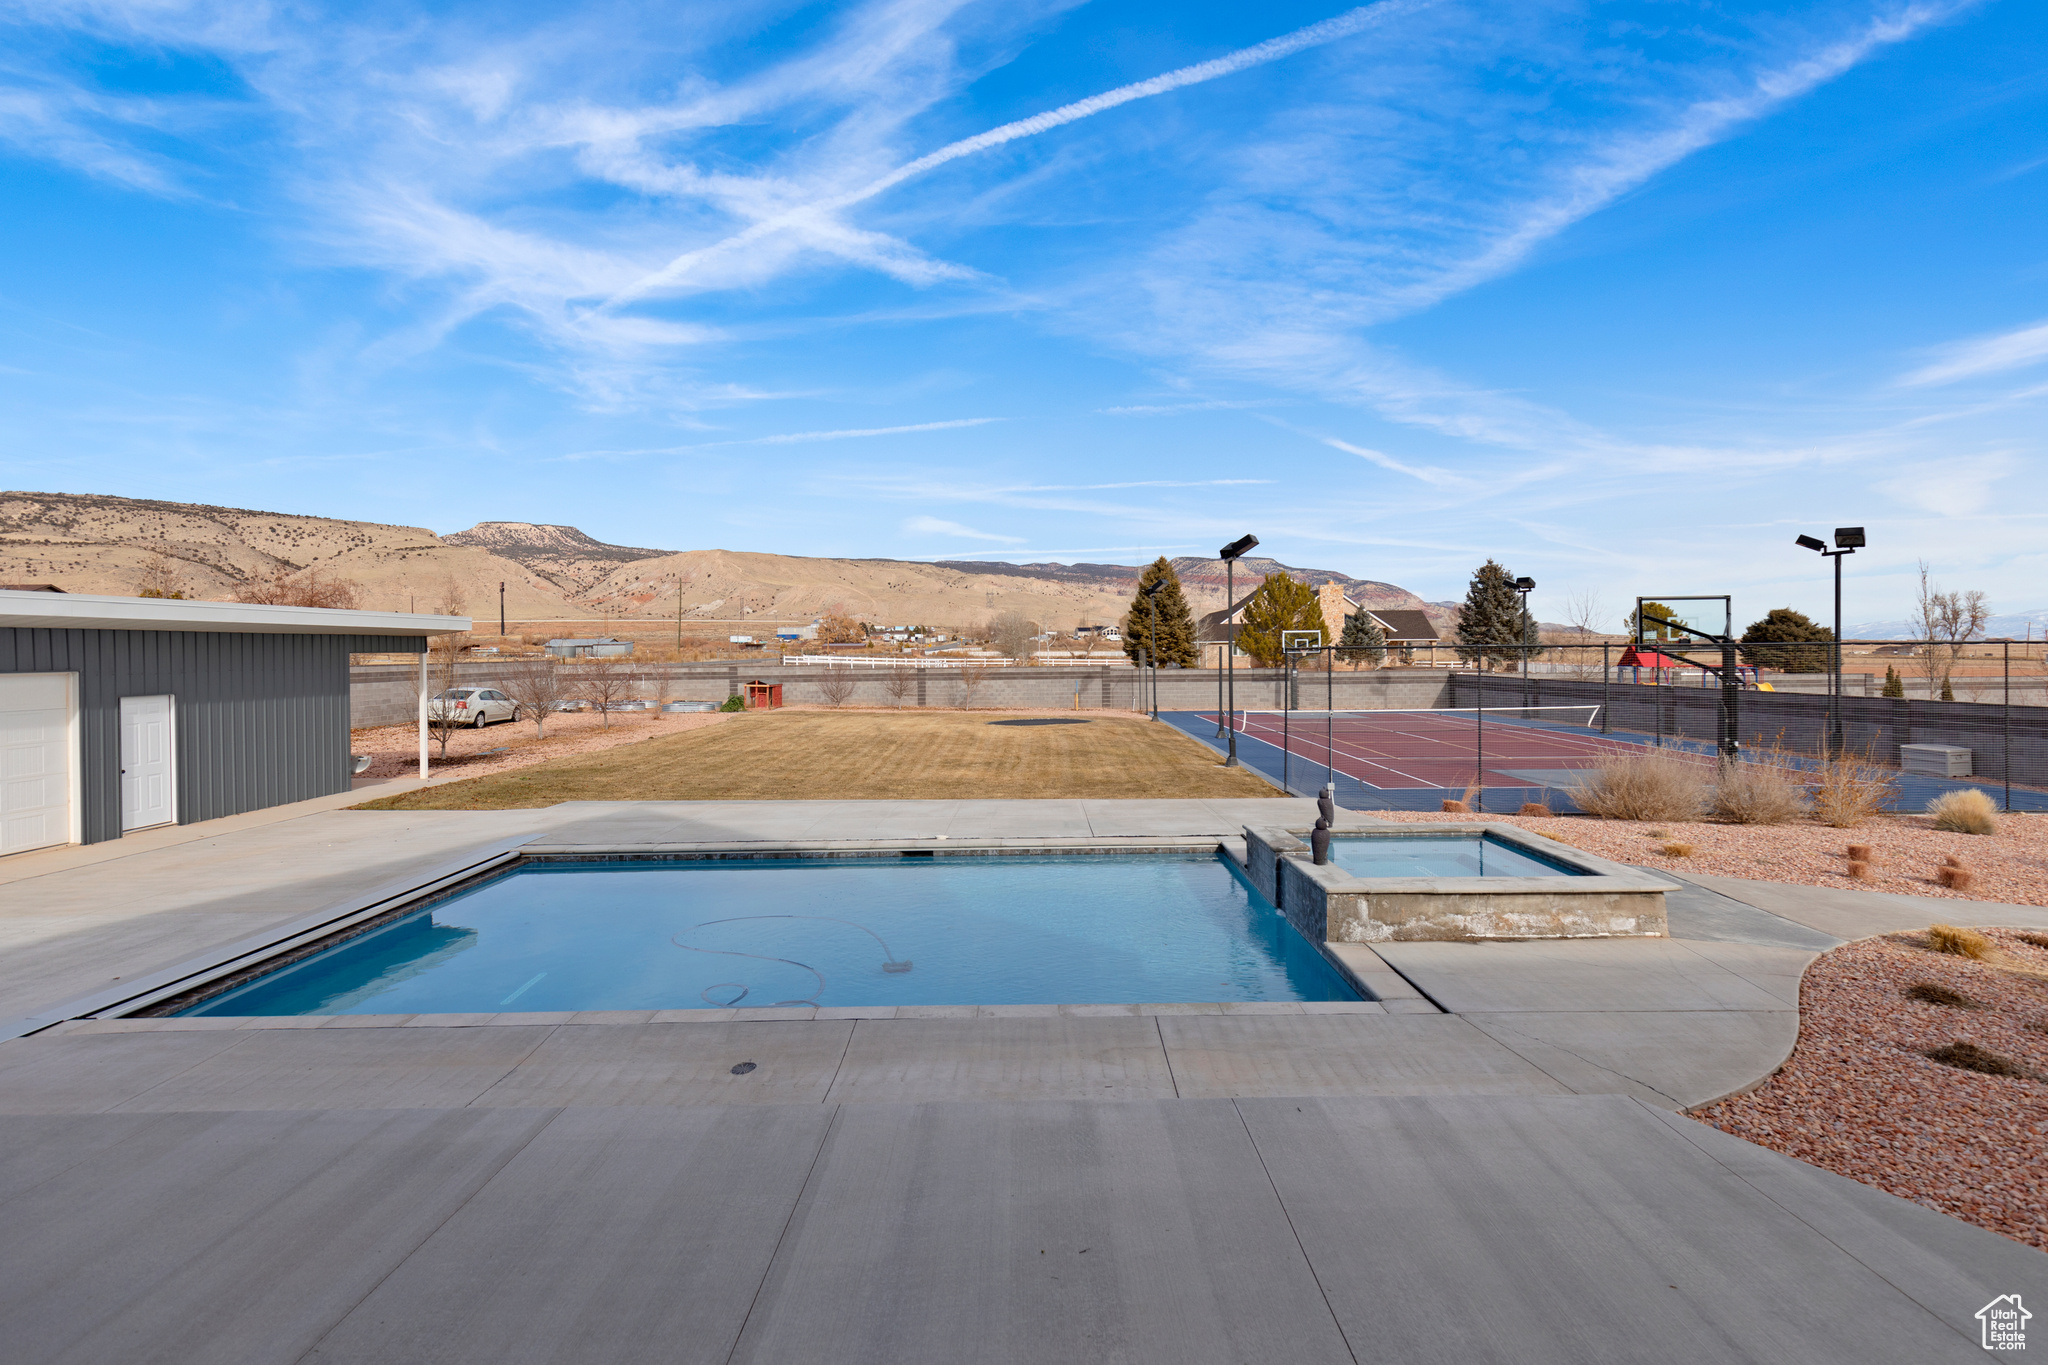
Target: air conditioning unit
{"points": [[1934, 760]]}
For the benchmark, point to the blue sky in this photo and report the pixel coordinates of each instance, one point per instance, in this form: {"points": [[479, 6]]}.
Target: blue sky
{"points": [[1623, 294]]}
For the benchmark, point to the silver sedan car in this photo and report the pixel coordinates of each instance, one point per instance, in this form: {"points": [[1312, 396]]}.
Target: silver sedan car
{"points": [[477, 706]]}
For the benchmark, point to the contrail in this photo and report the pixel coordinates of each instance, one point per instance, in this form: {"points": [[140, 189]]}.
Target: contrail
{"points": [[1272, 50]]}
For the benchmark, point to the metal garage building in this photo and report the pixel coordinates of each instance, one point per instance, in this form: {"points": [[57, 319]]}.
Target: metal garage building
{"points": [[124, 713]]}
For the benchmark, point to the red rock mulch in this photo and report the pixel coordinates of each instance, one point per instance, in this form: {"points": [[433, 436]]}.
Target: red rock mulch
{"points": [[1860, 1097]]}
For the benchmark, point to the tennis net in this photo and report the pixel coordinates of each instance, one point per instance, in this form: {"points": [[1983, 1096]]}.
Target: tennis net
{"points": [[1578, 718]]}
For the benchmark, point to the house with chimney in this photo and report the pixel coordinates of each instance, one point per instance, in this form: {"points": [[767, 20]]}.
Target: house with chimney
{"points": [[1404, 629]]}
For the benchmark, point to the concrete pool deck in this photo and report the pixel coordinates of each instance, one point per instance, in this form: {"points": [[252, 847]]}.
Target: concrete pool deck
{"points": [[1502, 1181]]}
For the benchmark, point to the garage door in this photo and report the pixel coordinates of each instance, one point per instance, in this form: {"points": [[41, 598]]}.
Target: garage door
{"points": [[35, 760]]}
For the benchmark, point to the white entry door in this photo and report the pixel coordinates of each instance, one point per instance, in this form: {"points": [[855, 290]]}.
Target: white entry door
{"points": [[148, 763], [35, 760]]}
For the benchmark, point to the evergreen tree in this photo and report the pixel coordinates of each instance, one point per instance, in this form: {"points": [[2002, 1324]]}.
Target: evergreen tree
{"points": [[1894, 685], [1947, 693], [1491, 617], [1798, 637], [1176, 622], [1363, 641], [1281, 604]]}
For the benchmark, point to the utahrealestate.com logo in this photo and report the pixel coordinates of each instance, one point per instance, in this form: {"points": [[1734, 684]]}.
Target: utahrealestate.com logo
{"points": [[2005, 1323]]}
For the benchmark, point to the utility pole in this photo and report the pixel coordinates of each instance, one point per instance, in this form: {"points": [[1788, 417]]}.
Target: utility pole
{"points": [[501, 610]]}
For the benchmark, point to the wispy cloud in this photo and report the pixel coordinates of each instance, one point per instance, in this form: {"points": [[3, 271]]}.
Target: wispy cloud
{"points": [[935, 526], [788, 438], [1985, 355]]}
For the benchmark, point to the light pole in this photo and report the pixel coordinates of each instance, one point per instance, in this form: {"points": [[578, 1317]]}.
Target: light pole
{"points": [[1152, 644], [501, 611], [1848, 540], [1229, 554], [1525, 586]]}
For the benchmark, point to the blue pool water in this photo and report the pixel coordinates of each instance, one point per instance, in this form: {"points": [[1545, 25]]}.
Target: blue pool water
{"points": [[1440, 855], [884, 931]]}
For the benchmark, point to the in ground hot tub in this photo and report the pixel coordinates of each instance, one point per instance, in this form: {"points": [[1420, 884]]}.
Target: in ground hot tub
{"points": [[1451, 881]]}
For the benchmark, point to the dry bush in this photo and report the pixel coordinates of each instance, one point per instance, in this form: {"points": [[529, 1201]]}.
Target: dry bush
{"points": [[1759, 793], [1859, 853], [1955, 878], [283, 588], [1656, 785], [836, 686], [2036, 940], [1965, 812], [1969, 1057], [1859, 870], [1936, 994], [1676, 849], [1951, 860], [1455, 807], [1850, 789], [1536, 808], [1946, 938]]}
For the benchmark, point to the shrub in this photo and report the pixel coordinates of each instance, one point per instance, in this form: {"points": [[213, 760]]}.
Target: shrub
{"points": [[1675, 849], [1850, 789], [1964, 812], [2037, 940], [1946, 938], [1970, 1057], [1455, 807], [1935, 994], [1859, 869], [1535, 808], [734, 704], [1859, 853], [1657, 785], [1763, 793], [1954, 878]]}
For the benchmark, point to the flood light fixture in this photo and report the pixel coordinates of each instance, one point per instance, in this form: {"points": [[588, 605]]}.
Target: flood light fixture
{"points": [[1849, 538], [1813, 543]]}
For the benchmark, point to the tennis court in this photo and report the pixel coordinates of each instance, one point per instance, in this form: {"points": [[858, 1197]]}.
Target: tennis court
{"points": [[1415, 758]]}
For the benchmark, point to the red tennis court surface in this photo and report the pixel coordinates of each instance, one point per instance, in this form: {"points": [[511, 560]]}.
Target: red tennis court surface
{"points": [[1442, 749]]}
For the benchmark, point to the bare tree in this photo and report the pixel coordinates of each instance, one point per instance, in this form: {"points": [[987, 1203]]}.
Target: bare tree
{"points": [[161, 577], [442, 718], [448, 597], [836, 686], [972, 674], [1585, 614], [610, 679], [1014, 634], [284, 588], [899, 683], [538, 689], [1947, 622]]}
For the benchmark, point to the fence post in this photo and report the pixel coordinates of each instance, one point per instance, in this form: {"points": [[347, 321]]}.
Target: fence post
{"points": [[1606, 689], [2007, 648]]}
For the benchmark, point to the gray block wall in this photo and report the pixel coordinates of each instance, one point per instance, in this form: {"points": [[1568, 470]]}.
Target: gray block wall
{"points": [[384, 694]]}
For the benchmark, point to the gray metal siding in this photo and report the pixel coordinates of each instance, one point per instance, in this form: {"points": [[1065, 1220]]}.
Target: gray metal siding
{"points": [[261, 719]]}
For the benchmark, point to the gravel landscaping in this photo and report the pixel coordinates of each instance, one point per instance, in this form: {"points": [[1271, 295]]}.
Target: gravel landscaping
{"points": [[1860, 1095], [2010, 866]]}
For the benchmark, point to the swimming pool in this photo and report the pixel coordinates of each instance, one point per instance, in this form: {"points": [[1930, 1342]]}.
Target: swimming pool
{"points": [[653, 934], [1441, 855]]}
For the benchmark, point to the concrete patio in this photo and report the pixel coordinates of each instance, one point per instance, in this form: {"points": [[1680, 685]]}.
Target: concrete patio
{"points": [[1485, 1165]]}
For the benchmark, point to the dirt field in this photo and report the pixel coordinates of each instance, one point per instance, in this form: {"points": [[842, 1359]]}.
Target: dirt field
{"points": [[866, 756]]}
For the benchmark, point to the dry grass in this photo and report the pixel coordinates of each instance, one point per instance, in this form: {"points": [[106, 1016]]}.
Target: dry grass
{"points": [[1759, 793], [1655, 785], [1965, 812], [1946, 938], [865, 756], [1849, 790]]}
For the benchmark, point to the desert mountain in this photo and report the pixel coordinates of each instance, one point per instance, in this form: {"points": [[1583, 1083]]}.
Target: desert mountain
{"points": [[99, 544]]}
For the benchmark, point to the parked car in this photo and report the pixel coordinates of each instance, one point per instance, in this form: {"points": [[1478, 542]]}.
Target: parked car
{"points": [[478, 706]]}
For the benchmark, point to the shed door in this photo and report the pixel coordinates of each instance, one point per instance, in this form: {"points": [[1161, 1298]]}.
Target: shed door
{"points": [[35, 760], [148, 775]]}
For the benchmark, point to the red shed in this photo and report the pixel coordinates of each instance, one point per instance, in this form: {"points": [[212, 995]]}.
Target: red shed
{"points": [[763, 695]]}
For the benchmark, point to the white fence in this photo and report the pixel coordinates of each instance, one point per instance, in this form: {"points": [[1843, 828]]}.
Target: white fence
{"points": [[907, 661]]}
